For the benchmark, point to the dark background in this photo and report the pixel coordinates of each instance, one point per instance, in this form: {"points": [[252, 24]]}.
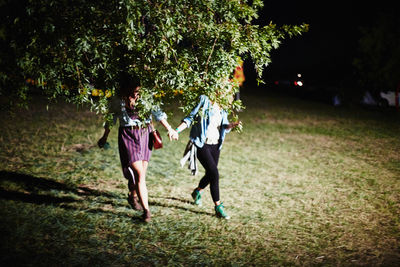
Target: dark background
{"points": [[324, 54]]}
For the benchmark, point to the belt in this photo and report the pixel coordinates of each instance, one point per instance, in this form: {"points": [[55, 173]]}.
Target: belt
{"points": [[137, 127]]}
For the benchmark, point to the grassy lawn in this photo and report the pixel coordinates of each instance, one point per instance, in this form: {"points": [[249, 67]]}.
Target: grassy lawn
{"points": [[305, 184]]}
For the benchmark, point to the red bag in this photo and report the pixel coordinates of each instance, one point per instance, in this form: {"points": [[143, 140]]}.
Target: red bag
{"points": [[155, 140]]}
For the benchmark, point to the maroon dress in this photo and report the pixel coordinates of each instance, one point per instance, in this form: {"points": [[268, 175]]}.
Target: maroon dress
{"points": [[133, 144]]}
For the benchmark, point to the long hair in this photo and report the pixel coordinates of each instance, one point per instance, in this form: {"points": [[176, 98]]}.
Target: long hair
{"points": [[128, 83]]}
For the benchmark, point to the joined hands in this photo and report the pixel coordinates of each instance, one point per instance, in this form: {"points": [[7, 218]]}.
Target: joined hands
{"points": [[173, 135]]}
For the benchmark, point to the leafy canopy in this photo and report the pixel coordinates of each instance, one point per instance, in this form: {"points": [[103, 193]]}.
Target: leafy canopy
{"points": [[179, 48]]}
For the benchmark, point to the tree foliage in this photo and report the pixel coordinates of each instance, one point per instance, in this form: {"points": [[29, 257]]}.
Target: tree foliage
{"points": [[378, 63], [178, 48]]}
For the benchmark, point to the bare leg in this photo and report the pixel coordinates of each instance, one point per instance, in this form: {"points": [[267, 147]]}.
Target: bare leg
{"points": [[140, 168], [133, 198], [134, 201]]}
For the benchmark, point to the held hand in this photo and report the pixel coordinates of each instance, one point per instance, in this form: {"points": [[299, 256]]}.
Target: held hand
{"points": [[173, 135]]}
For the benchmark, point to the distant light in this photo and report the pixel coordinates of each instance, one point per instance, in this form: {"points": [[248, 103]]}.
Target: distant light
{"points": [[299, 75]]}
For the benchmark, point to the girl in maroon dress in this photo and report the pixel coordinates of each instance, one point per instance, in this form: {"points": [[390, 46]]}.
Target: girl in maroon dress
{"points": [[133, 142]]}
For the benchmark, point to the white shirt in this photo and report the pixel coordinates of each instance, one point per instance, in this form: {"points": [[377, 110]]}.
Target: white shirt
{"points": [[212, 135]]}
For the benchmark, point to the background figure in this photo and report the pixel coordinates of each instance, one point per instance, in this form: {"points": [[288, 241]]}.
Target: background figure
{"points": [[238, 76], [133, 141], [208, 134]]}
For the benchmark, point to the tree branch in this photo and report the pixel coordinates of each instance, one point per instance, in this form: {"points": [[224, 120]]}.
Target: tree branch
{"points": [[209, 56]]}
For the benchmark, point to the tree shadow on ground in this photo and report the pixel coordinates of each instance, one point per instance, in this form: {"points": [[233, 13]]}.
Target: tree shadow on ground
{"points": [[155, 203], [185, 201], [38, 190]]}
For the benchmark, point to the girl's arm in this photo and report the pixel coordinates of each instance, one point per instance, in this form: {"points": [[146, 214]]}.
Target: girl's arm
{"points": [[229, 125], [161, 117], [181, 127], [187, 121], [190, 118], [172, 134]]}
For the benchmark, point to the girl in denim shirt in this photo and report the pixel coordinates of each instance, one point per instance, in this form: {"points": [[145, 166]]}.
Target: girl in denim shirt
{"points": [[209, 125]]}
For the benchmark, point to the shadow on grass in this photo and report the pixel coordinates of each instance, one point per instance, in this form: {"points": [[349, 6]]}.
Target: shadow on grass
{"points": [[178, 207], [32, 198], [179, 199], [32, 185], [39, 190]]}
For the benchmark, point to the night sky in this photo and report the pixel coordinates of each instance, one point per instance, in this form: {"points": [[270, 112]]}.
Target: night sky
{"points": [[325, 53]]}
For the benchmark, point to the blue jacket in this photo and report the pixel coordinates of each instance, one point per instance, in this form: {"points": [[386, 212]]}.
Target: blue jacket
{"points": [[199, 117]]}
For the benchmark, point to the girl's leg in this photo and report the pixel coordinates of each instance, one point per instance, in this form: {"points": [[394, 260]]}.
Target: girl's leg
{"points": [[146, 213], [208, 156], [203, 154], [209, 159], [139, 168], [132, 187], [215, 153], [128, 172]]}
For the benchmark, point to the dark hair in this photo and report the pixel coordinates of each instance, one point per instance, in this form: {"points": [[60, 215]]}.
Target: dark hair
{"points": [[128, 83]]}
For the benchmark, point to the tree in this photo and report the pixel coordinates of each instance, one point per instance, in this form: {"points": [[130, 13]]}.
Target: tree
{"points": [[378, 63], [179, 48]]}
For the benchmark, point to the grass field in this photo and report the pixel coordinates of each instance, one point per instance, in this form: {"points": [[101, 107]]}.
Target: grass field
{"points": [[305, 184]]}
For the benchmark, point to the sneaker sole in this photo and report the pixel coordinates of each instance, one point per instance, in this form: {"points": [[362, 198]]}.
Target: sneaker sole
{"points": [[225, 218]]}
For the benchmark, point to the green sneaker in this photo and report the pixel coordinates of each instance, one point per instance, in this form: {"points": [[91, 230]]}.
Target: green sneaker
{"points": [[220, 212], [196, 195]]}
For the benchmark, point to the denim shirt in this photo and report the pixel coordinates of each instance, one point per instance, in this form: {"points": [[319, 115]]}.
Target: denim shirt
{"points": [[200, 118], [119, 112]]}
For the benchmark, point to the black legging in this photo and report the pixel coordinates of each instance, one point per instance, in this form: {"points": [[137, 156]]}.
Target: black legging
{"points": [[208, 156]]}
